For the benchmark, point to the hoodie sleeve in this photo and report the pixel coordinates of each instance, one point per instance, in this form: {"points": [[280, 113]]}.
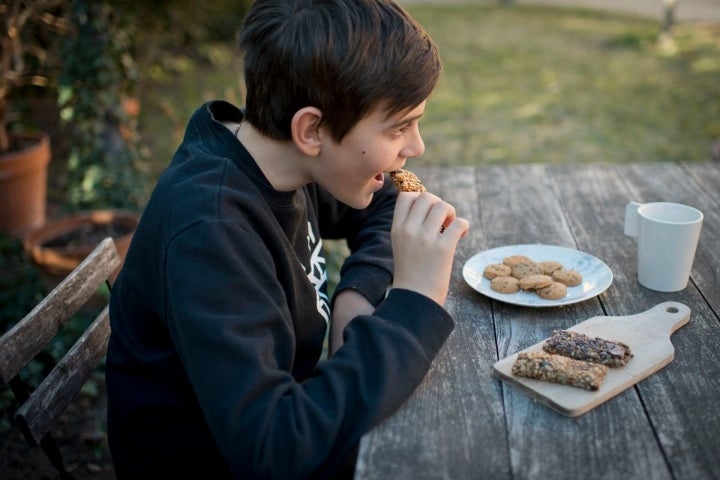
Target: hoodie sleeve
{"points": [[369, 267]]}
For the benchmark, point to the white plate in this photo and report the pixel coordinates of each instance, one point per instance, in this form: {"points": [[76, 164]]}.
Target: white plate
{"points": [[597, 276]]}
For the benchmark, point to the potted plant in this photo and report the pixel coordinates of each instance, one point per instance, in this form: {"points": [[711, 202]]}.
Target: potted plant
{"points": [[61, 244], [28, 36]]}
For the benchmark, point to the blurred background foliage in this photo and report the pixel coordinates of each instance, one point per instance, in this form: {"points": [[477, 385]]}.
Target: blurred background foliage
{"points": [[118, 48], [538, 84]]}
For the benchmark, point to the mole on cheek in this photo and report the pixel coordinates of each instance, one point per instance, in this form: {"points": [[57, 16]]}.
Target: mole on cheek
{"points": [[363, 152]]}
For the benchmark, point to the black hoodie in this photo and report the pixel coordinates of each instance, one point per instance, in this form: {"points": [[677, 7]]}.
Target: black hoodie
{"points": [[220, 313]]}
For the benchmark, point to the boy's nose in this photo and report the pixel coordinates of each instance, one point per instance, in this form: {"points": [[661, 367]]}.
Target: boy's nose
{"points": [[415, 146]]}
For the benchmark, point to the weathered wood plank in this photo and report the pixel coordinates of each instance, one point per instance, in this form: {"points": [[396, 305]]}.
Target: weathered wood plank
{"points": [[707, 175], [665, 427], [595, 201], [58, 389], [518, 207], [540, 439], [30, 335], [458, 399], [676, 398]]}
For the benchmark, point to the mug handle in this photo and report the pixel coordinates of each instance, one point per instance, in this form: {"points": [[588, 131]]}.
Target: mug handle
{"points": [[632, 219]]}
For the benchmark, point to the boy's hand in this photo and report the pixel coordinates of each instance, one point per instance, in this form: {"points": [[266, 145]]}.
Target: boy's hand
{"points": [[425, 234]]}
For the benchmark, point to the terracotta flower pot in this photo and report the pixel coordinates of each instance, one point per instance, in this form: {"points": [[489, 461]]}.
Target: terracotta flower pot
{"points": [[23, 185], [59, 246]]}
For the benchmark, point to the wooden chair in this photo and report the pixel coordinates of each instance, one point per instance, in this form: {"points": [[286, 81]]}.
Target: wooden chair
{"points": [[41, 408]]}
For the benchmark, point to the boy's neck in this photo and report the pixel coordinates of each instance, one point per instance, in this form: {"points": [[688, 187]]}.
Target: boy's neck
{"points": [[280, 161]]}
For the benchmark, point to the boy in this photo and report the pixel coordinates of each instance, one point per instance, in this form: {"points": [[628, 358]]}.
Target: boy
{"points": [[219, 314]]}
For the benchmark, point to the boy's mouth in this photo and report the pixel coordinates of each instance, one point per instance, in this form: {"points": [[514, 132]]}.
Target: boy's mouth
{"points": [[379, 180]]}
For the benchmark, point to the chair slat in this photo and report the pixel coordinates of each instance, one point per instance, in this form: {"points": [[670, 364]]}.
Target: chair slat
{"points": [[30, 335], [40, 409], [58, 389]]}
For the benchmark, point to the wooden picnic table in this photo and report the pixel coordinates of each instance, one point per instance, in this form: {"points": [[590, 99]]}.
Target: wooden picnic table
{"points": [[463, 422]]}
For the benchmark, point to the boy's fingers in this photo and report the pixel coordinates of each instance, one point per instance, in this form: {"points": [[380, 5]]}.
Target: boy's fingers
{"points": [[450, 236], [413, 209], [441, 214], [403, 205], [458, 227]]}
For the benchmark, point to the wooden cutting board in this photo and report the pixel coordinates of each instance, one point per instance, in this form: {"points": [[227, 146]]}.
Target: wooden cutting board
{"points": [[648, 336]]}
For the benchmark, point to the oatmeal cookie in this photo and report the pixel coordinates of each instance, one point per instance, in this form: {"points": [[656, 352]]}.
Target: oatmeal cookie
{"points": [[515, 260], [505, 284], [524, 270], [571, 278], [531, 282], [550, 266], [554, 291], [497, 270]]}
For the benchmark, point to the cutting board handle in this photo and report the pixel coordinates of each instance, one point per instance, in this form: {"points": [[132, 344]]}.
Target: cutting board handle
{"points": [[658, 322], [665, 318]]}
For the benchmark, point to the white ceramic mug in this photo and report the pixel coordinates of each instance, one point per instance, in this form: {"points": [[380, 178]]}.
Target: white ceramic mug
{"points": [[667, 237]]}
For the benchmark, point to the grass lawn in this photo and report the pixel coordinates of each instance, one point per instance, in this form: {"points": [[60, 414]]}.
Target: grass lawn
{"points": [[521, 84]]}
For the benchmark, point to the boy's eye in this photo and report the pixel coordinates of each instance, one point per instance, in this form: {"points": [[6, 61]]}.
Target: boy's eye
{"points": [[402, 129]]}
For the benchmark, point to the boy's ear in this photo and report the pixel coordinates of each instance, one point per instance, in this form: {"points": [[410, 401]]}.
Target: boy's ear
{"points": [[305, 131]]}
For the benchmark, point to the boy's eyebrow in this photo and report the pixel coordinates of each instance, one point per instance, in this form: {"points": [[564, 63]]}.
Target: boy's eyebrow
{"points": [[407, 119]]}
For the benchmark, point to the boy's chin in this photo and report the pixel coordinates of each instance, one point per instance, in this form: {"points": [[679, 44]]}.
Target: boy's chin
{"points": [[360, 201]]}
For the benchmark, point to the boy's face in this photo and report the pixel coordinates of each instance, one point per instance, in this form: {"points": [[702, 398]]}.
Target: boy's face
{"points": [[352, 170]]}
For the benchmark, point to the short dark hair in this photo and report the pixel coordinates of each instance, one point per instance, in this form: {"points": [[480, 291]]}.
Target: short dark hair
{"points": [[345, 57]]}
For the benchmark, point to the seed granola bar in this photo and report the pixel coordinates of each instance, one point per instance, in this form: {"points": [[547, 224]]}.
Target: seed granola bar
{"points": [[582, 347], [558, 369], [406, 181]]}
